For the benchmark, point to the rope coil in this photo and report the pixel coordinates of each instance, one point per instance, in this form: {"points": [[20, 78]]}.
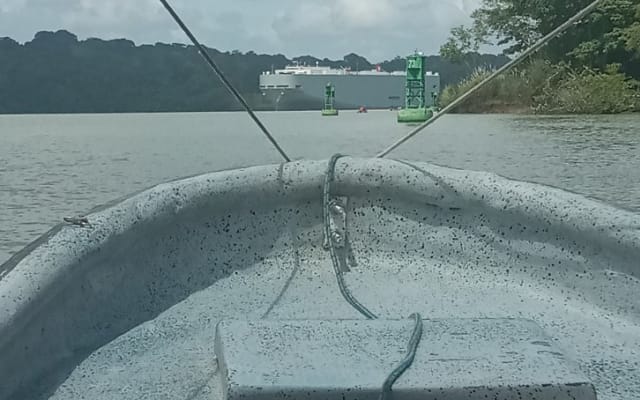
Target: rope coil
{"points": [[416, 335], [326, 208]]}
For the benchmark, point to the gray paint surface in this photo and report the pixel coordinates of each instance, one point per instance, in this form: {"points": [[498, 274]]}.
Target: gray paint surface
{"points": [[457, 359], [127, 308], [352, 91]]}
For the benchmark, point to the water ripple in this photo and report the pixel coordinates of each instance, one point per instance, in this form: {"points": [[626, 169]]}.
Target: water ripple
{"points": [[81, 162]]}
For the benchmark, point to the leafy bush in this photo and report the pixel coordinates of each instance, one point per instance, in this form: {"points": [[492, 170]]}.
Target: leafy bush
{"points": [[590, 92], [542, 87]]}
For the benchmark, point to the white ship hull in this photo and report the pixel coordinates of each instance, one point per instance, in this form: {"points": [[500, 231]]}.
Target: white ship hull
{"points": [[303, 91]]}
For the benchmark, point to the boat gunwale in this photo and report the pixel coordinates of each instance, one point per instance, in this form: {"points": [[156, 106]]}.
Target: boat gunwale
{"points": [[420, 183]]}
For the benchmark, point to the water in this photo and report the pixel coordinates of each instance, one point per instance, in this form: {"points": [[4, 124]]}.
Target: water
{"points": [[52, 166]]}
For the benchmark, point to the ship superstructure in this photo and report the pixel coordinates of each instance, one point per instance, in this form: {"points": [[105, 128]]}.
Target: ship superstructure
{"points": [[300, 87]]}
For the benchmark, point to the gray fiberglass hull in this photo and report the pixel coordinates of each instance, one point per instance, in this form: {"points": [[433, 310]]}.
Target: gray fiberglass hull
{"points": [[126, 307]]}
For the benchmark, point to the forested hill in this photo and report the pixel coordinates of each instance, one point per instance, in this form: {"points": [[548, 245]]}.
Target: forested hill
{"points": [[57, 73]]}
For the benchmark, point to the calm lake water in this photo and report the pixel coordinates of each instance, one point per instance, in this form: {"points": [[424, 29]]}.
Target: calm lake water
{"points": [[52, 166]]}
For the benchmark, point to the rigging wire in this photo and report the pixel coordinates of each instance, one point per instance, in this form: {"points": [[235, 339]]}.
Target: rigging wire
{"points": [[224, 80], [539, 44]]}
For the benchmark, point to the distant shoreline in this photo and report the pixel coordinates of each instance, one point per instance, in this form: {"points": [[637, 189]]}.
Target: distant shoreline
{"points": [[492, 110], [355, 110], [57, 73]]}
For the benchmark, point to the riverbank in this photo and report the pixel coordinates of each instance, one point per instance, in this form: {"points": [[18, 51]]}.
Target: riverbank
{"points": [[543, 88]]}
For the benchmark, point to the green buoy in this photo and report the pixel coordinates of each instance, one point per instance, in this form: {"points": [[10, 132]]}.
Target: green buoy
{"points": [[329, 99], [415, 109]]}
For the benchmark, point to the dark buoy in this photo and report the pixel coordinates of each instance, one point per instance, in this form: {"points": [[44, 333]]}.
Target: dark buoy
{"points": [[329, 108]]}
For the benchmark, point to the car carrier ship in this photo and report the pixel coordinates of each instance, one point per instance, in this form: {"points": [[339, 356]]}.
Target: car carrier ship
{"points": [[302, 87]]}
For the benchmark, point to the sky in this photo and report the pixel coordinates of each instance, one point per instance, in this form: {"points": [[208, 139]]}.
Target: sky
{"points": [[376, 29]]}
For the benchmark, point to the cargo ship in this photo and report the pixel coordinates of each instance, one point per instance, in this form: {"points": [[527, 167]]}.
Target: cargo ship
{"points": [[302, 87]]}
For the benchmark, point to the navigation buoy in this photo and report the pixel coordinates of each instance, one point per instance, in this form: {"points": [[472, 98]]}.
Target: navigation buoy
{"points": [[329, 99], [415, 109]]}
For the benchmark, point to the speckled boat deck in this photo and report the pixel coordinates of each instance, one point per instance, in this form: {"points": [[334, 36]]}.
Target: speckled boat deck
{"points": [[127, 307]]}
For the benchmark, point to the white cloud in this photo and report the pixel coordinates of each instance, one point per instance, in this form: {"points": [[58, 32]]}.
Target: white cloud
{"points": [[114, 18], [110, 13], [10, 6], [377, 29], [363, 13], [304, 18]]}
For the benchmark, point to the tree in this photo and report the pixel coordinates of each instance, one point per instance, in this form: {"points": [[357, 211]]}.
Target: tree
{"points": [[631, 35], [600, 40], [356, 62], [461, 42], [609, 35], [56, 72]]}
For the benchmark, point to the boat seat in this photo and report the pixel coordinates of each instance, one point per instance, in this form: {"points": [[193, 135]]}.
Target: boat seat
{"points": [[470, 359]]}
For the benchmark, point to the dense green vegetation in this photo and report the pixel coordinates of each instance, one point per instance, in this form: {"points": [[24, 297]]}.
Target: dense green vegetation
{"points": [[55, 72], [592, 68]]}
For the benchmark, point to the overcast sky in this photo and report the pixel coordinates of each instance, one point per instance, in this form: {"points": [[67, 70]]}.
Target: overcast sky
{"points": [[376, 29]]}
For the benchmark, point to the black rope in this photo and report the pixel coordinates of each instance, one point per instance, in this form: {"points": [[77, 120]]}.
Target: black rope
{"points": [[224, 80], [412, 347], [404, 365], [327, 231]]}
